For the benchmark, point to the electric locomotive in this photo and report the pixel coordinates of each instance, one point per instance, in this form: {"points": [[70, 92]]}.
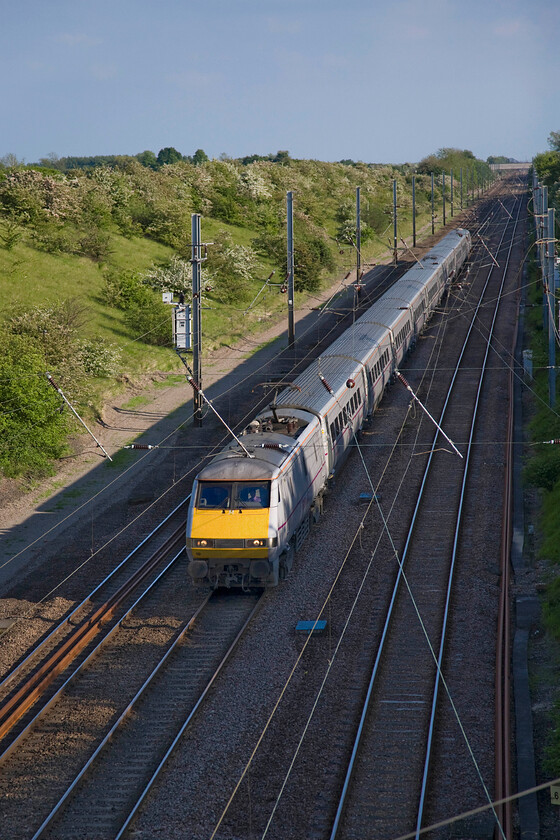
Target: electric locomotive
{"points": [[252, 505]]}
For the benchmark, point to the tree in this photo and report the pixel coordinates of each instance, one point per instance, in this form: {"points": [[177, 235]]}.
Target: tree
{"points": [[33, 431], [51, 161], [547, 165], [199, 157], [10, 161], [311, 256], [168, 155], [554, 140], [148, 159], [431, 163]]}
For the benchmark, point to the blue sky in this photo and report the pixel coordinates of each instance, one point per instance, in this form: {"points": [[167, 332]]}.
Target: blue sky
{"points": [[373, 81]]}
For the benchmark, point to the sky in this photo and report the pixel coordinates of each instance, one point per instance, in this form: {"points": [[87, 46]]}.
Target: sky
{"points": [[382, 81]]}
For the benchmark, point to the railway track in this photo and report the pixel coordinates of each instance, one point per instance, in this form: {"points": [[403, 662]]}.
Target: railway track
{"points": [[36, 680], [395, 777], [400, 712], [90, 758], [103, 798]]}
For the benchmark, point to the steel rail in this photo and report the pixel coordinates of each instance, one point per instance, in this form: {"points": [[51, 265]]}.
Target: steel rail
{"points": [[187, 722], [400, 574], [129, 708], [456, 536], [13, 709], [33, 654], [502, 770], [17, 741]]}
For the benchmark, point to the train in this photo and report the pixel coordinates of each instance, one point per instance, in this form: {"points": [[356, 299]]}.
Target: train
{"points": [[253, 504]]}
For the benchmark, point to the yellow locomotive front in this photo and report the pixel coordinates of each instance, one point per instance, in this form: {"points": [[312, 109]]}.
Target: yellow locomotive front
{"points": [[229, 541]]}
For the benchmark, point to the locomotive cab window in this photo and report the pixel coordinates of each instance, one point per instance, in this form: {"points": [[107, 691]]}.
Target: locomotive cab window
{"points": [[251, 494], [214, 494], [236, 495]]}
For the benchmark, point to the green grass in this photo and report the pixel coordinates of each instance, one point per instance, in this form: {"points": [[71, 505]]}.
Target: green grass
{"points": [[56, 277], [171, 381], [135, 402]]}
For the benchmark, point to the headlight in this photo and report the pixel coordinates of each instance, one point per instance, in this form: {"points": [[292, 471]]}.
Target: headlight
{"points": [[262, 543], [201, 543]]}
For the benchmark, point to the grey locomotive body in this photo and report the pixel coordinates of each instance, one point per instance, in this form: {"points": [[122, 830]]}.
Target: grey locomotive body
{"points": [[249, 514]]}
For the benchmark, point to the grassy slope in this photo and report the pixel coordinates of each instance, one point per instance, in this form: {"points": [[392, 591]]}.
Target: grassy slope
{"points": [[32, 277]]}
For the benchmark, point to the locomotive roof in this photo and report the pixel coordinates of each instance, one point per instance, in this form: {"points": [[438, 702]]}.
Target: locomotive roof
{"points": [[231, 464]]}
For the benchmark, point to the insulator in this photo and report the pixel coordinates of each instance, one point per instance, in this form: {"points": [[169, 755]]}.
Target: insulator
{"points": [[140, 446], [191, 381], [52, 382], [403, 380], [326, 384], [350, 383]]}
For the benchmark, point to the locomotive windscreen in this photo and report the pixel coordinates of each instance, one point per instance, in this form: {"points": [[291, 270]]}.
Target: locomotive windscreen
{"points": [[233, 494]]}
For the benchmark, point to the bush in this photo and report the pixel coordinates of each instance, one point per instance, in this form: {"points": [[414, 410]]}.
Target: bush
{"points": [[11, 232], [33, 426], [310, 258], [551, 763], [230, 268], [147, 317], [150, 322], [123, 289], [96, 244], [551, 608], [173, 276], [543, 470], [54, 237], [99, 357]]}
